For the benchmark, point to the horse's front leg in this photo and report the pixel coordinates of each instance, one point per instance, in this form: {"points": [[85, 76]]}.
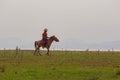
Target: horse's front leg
{"points": [[47, 52]]}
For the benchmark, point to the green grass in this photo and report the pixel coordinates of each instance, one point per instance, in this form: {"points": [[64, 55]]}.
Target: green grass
{"points": [[61, 65]]}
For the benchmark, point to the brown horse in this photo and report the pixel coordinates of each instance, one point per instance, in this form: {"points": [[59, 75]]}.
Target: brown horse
{"points": [[49, 42]]}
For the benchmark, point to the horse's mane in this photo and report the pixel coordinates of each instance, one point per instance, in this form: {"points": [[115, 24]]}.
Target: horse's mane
{"points": [[51, 37]]}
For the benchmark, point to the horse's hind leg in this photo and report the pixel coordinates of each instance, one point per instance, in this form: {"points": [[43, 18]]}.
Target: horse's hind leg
{"points": [[39, 52], [34, 52]]}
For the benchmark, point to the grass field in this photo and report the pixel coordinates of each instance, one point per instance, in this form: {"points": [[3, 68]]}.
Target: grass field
{"points": [[61, 65]]}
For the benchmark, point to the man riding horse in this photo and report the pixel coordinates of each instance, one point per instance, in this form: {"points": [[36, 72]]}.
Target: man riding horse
{"points": [[44, 43]]}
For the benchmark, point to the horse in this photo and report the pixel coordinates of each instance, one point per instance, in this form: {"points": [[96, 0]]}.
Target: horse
{"points": [[49, 42]]}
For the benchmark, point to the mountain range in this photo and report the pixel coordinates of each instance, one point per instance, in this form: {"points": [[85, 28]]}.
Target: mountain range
{"points": [[68, 44]]}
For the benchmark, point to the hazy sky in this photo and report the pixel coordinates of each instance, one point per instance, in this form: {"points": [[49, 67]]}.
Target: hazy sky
{"points": [[86, 20]]}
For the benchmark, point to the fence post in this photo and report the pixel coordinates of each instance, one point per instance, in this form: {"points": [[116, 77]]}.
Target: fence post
{"points": [[17, 50], [98, 51], [112, 50], [4, 52]]}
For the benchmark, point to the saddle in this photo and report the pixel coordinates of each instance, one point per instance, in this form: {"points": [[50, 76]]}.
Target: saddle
{"points": [[41, 42]]}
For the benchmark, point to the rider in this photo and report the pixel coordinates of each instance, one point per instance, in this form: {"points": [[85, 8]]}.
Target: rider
{"points": [[44, 36]]}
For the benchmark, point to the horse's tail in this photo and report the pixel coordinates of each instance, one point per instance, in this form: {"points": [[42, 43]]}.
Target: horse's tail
{"points": [[36, 44]]}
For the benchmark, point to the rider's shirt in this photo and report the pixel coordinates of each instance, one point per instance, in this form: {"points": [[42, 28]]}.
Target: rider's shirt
{"points": [[44, 37]]}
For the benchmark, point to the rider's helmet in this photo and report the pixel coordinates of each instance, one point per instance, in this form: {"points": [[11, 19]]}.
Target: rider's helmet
{"points": [[45, 29]]}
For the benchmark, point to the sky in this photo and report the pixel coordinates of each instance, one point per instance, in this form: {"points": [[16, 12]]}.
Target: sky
{"points": [[89, 21]]}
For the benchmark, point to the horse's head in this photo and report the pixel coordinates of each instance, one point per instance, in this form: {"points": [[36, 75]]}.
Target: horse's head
{"points": [[55, 38]]}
